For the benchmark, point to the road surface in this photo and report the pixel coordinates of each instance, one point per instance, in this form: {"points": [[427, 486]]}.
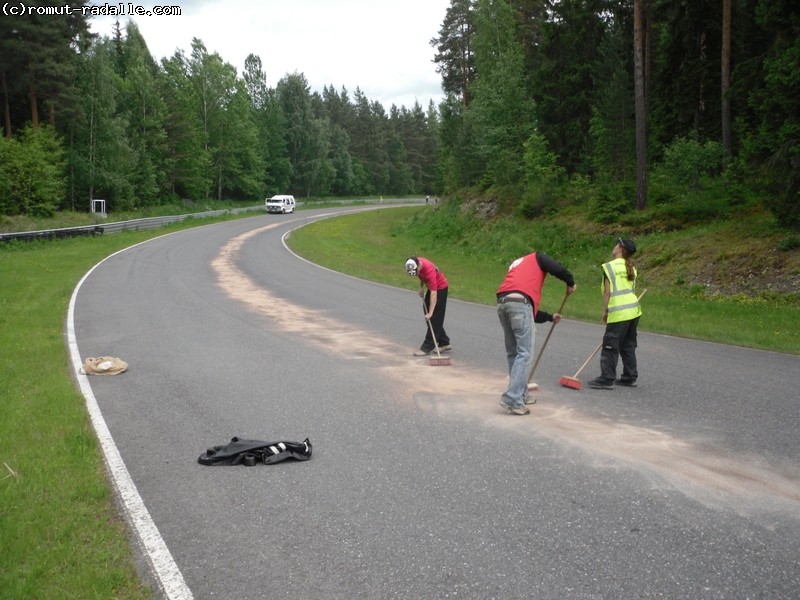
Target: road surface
{"points": [[420, 486]]}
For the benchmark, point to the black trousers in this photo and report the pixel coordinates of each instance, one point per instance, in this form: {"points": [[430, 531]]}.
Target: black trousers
{"points": [[437, 321], [619, 341]]}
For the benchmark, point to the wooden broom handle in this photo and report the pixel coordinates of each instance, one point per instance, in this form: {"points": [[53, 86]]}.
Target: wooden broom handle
{"points": [[541, 350]]}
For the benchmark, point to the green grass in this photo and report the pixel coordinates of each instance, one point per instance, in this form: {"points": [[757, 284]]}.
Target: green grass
{"points": [[374, 245]]}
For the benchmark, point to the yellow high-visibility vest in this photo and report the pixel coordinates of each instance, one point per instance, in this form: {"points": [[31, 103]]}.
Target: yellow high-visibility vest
{"points": [[623, 305]]}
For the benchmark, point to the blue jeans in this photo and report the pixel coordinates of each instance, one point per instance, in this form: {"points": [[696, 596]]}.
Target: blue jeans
{"points": [[518, 330]]}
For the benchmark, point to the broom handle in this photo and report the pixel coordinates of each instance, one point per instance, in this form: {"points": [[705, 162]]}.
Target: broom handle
{"points": [[546, 339], [596, 350], [583, 366]]}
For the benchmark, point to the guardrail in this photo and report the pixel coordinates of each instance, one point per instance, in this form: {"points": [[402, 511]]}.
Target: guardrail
{"points": [[116, 227], [157, 222]]}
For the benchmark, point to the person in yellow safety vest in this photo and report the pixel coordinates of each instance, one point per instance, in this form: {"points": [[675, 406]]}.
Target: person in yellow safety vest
{"points": [[621, 314]]}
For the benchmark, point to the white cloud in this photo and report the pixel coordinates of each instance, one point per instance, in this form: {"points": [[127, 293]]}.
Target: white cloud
{"points": [[379, 46]]}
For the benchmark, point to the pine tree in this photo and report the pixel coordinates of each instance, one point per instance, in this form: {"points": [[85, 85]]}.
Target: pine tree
{"points": [[455, 56]]}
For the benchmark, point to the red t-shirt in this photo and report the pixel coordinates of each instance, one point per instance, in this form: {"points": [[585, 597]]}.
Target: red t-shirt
{"points": [[430, 275], [526, 277]]}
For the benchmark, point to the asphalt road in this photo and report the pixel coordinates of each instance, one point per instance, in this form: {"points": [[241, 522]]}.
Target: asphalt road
{"points": [[420, 486]]}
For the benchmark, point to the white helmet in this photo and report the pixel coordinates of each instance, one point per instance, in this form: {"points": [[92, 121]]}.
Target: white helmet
{"points": [[411, 266]]}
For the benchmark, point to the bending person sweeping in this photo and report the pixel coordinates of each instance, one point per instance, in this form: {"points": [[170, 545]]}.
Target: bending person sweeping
{"points": [[621, 313], [435, 302], [518, 299]]}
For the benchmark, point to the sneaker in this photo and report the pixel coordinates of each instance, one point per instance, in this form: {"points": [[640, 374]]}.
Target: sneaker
{"points": [[626, 382], [445, 348], [529, 399], [515, 410], [600, 384], [422, 353]]}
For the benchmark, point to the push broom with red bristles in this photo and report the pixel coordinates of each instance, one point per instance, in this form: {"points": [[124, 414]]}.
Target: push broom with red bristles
{"points": [[438, 360], [575, 383]]}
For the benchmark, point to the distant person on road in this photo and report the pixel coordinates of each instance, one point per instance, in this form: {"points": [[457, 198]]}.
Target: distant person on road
{"points": [[518, 299], [435, 299], [621, 313]]}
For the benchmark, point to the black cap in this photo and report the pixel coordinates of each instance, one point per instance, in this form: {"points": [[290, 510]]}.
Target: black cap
{"points": [[628, 246]]}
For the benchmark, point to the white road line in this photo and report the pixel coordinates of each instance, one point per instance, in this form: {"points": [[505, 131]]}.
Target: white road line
{"points": [[165, 572]]}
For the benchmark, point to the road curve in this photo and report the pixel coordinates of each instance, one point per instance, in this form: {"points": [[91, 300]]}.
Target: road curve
{"points": [[687, 486]]}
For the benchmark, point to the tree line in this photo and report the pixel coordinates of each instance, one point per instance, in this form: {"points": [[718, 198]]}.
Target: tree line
{"points": [[89, 117], [642, 98], [628, 104]]}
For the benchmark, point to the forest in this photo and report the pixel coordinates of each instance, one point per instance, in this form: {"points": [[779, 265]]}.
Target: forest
{"points": [[688, 107]]}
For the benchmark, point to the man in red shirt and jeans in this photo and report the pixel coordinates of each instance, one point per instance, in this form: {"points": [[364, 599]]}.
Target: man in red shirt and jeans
{"points": [[435, 302], [518, 299]]}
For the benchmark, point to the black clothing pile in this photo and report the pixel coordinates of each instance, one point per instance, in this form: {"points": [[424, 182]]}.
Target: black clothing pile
{"points": [[251, 452]]}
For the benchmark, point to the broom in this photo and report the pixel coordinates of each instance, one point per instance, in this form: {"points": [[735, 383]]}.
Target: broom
{"points": [[438, 360], [575, 383], [535, 386]]}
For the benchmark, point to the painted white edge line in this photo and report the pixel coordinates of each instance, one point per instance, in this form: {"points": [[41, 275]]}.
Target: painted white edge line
{"points": [[162, 565]]}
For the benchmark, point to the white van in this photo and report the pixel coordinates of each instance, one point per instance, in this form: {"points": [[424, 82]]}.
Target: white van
{"points": [[281, 203]]}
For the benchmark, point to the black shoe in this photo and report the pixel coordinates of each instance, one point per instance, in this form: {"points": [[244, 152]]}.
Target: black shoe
{"points": [[600, 384], [626, 382]]}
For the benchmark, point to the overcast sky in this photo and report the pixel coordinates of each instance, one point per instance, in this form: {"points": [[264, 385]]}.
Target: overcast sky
{"points": [[381, 46]]}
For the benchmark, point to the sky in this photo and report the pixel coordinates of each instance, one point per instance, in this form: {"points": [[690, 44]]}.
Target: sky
{"points": [[380, 46]]}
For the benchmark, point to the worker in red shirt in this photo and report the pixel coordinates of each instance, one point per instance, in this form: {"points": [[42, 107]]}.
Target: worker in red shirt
{"points": [[435, 299], [518, 299]]}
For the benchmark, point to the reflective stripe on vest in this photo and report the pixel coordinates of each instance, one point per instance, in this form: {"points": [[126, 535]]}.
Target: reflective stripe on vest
{"points": [[623, 304]]}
